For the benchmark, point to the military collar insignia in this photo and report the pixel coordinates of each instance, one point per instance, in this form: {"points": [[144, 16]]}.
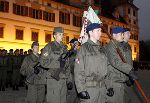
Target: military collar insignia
{"points": [[45, 54]]}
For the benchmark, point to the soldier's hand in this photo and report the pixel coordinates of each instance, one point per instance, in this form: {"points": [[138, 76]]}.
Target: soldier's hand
{"points": [[129, 82], [110, 92], [36, 70], [84, 95], [133, 75], [69, 85]]}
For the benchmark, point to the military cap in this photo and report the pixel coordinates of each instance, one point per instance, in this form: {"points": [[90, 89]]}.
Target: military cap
{"points": [[35, 43], [10, 49], [117, 30], [73, 40], [126, 29], [17, 50], [58, 30], [92, 26]]}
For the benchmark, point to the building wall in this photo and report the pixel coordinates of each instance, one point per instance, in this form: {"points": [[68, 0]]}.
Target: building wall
{"points": [[11, 22]]}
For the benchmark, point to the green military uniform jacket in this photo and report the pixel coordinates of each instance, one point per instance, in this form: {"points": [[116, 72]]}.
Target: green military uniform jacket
{"points": [[17, 61], [72, 60], [50, 59], [27, 70], [117, 64], [90, 67], [128, 53], [4, 62]]}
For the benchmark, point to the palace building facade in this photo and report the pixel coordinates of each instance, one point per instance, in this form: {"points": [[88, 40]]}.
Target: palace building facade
{"points": [[25, 21]]}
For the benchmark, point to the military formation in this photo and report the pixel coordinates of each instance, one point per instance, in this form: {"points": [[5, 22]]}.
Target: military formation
{"points": [[90, 73], [10, 63]]}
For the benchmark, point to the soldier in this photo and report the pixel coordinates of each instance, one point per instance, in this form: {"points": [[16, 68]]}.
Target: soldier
{"points": [[72, 92], [22, 78], [3, 70], [25, 53], [36, 82], [118, 69], [91, 68], [50, 58], [130, 96], [29, 51], [17, 60], [9, 72]]}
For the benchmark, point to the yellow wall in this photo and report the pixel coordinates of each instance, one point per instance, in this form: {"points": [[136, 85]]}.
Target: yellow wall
{"points": [[12, 21]]}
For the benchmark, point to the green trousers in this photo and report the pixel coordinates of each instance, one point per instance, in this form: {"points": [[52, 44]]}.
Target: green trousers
{"points": [[56, 91], [97, 95], [36, 93], [118, 96]]}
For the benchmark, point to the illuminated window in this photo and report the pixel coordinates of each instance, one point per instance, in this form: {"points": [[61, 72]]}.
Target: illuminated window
{"points": [[34, 36], [77, 21], [4, 6], [49, 4], [20, 10], [48, 16], [64, 18], [129, 20], [19, 34], [129, 11], [134, 48], [67, 39], [1, 32], [34, 13], [135, 22], [48, 37], [134, 14]]}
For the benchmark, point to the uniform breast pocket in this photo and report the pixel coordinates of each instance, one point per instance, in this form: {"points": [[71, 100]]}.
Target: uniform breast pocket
{"points": [[56, 55], [101, 64], [90, 63]]}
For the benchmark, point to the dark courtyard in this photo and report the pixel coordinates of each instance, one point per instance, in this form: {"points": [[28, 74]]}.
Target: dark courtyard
{"points": [[10, 96]]}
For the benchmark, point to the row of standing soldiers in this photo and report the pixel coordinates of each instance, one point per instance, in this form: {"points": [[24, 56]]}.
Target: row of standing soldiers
{"points": [[94, 74], [10, 64]]}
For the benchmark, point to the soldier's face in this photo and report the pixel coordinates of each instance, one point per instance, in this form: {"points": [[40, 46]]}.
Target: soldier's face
{"points": [[11, 52], [74, 45], [96, 34], [58, 37], [119, 37], [35, 49], [127, 35], [17, 53], [3, 53]]}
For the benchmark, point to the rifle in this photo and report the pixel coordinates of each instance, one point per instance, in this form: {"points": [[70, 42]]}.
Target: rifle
{"points": [[37, 68], [62, 60], [123, 60]]}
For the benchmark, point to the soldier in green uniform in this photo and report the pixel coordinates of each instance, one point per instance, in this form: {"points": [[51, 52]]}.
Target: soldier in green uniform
{"points": [[91, 68], [130, 94], [17, 60], [72, 92], [9, 70], [50, 58], [35, 80], [3, 70], [117, 71]]}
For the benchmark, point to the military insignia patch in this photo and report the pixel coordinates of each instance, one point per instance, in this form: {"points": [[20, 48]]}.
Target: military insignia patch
{"points": [[45, 54], [77, 60]]}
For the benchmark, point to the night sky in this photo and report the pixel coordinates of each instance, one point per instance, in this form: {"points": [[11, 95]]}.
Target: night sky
{"points": [[144, 18]]}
